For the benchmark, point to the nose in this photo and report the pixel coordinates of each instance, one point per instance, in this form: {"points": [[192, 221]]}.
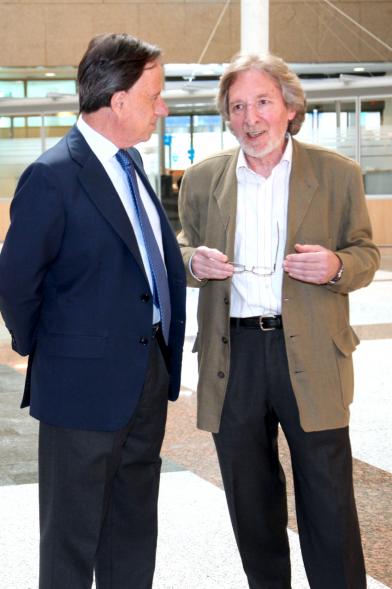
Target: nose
{"points": [[161, 108], [251, 113]]}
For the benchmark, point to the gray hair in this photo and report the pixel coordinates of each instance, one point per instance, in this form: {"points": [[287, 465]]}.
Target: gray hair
{"points": [[288, 82]]}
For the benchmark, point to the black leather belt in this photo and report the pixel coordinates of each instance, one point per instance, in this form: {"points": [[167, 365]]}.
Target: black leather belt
{"points": [[264, 322], [157, 334]]}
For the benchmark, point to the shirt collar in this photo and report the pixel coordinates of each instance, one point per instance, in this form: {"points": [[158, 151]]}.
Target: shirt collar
{"points": [[243, 167], [100, 145]]}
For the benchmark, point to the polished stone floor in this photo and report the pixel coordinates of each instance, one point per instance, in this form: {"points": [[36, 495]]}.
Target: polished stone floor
{"points": [[196, 548]]}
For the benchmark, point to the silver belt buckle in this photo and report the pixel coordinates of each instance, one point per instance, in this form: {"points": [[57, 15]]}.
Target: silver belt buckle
{"points": [[261, 322]]}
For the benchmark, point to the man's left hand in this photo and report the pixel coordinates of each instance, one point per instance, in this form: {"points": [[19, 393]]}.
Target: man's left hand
{"points": [[312, 263]]}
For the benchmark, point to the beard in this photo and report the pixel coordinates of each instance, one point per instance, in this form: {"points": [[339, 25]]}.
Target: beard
{"points": [[260, 152], [253, 151]]}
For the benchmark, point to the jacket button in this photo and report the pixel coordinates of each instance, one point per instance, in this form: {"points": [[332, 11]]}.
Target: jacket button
{"points": [[221, 374], [226, 300], [145, 297], [225, 340], [143, 341]]}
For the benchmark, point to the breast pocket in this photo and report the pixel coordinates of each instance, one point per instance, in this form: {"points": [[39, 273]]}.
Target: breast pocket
{"points": [[317, 240]]}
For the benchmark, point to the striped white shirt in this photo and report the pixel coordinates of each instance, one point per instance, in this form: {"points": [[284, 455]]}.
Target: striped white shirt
{"points": [[260, 237]]}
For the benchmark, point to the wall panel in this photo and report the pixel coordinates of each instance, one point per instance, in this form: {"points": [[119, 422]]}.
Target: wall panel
{"points": [[34, 32]]}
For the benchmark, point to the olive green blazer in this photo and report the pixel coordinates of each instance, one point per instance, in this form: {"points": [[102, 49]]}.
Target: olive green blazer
{"points": [[327, 207]]}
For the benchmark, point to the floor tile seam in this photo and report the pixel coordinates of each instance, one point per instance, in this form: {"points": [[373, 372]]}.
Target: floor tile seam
{"points": [[373, 580], [386, 326], [290, 529], [369, 468]]}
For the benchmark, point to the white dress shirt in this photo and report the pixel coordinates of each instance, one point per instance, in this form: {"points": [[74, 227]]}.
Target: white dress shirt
{"points": [[106, 151], [260, 237]]}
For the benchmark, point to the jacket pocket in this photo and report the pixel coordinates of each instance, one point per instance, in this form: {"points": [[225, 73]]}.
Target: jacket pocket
{"points": [[73, 346], [346, 341]]}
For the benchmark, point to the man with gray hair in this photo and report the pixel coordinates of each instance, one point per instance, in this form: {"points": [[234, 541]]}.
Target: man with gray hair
{"points": [[276, 234]]}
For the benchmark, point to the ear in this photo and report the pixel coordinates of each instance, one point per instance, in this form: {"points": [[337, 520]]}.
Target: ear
{"points": [[292, 114], [117, 101]]}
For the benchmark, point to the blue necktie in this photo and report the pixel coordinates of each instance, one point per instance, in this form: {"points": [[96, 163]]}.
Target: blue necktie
{"points": [[161, 295]]}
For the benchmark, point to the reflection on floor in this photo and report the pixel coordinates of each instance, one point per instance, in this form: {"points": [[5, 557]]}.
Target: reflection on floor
{"points": [[196, 547]]}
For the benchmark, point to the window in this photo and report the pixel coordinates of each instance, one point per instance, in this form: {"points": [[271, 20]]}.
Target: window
{"points": [[43, 88], [11, 89]]}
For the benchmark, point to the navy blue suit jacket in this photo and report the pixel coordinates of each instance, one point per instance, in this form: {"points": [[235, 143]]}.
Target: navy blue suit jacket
{"points": [[74, 294]]}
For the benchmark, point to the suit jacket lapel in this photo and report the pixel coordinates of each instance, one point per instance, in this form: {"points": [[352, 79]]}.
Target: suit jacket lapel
{"points": [[302, 188], [168, 234], [225, 195], [101, 191]]}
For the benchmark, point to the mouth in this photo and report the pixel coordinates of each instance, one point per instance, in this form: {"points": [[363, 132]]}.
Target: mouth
{"points": [[254, 134]]}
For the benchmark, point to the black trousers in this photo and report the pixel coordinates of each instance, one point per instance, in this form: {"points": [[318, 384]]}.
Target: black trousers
{"points": [[98, 495], [259, 397]]}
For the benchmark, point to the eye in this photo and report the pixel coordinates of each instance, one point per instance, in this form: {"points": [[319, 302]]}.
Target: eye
{"points": [[262, 102], [237, 107]]}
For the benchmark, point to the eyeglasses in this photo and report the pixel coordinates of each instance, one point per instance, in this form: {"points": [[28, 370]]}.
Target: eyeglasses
{"points": [[239, 108], [259, 270]]}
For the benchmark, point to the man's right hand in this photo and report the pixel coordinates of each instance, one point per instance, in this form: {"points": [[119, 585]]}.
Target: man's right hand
{"points": [[207, 263]]}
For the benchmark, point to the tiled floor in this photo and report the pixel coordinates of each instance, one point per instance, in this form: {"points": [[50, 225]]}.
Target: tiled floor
{"points": [[196, 547]]}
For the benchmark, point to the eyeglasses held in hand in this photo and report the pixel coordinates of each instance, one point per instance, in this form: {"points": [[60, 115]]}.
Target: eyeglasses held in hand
{"points": [[259, 270]]}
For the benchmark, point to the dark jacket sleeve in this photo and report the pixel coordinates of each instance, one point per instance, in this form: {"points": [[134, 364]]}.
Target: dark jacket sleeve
{"points": [[32, 242]]}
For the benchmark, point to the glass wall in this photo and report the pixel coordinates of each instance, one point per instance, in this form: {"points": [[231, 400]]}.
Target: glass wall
{"points": [[360, 128], [23, 139], [335, 124], [376, 146], [44, 88], [190, 138], [187, 139], [36, 88], [331, 124], [178, 142], [207, 136], [12, 89]]}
